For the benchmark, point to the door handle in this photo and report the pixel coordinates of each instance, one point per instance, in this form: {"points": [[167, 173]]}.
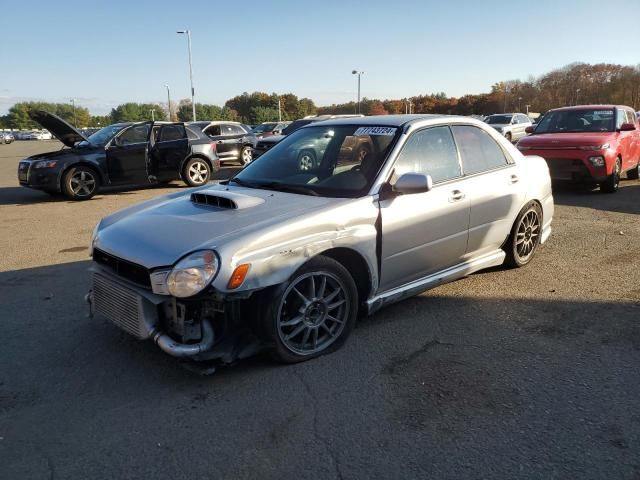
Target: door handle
{"points": [[456, 195], [220, 141], [515, 178]]}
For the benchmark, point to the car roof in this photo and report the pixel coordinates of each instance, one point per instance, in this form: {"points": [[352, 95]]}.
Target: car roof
{"points": [[385, 120], [586, 107], [206, 123]]}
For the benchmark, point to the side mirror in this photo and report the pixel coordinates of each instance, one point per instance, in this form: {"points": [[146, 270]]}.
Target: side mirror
{"points": [[627, 127], [530, 129], [413, 183]]}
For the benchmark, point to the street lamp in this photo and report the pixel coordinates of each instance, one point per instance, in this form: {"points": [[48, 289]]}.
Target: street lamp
{"points": [[519, 99], [527, 107], [577, 93], [73, 102], [153, 116], [168, 100], [356, 72], [193, 102]]}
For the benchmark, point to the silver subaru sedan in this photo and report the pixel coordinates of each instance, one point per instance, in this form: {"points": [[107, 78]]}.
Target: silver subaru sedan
{"points": [[340, 218]]}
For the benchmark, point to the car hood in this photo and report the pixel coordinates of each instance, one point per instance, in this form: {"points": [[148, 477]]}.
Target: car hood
{"points": [[566, 140], [159, 232], [498, 126], [272, 139], [58, 127]]}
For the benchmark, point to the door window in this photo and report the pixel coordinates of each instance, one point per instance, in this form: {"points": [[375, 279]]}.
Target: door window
{"points": [[133, 135], [171, 132], [479, 152], [232, 130], [431, 151], [213, 131]]}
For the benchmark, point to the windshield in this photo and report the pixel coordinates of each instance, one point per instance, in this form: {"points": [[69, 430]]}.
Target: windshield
{"points": [[567, 121], [332, 161], [498, 119], [102, 136], [295, 126], [264, 127]]}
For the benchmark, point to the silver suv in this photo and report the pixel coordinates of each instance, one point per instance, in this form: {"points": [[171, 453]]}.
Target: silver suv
{"points": [[511, 125], [283, 258]]}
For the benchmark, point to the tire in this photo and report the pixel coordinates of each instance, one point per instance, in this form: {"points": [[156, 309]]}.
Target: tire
{"points": [[196, 172], [525, 236], [613, 181], [80, 183], [246, 155], [306, 160], [302, 321], [634, 173], [508, 137]]}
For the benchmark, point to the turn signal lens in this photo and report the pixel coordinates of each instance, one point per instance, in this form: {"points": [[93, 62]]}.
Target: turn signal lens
{"points": [[238, 276]]}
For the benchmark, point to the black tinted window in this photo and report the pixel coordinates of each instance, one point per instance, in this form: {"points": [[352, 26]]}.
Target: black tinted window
{"points": [[478, 150], [135, 134], [171, 132], [213, 131], [431, 152]]}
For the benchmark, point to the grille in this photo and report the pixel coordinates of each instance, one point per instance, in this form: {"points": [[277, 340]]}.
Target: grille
{"points": [[120, 305], [131, 271], [213, 200]]}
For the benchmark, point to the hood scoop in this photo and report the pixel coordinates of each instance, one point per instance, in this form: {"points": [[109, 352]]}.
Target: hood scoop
{"points": [[225, 200]]}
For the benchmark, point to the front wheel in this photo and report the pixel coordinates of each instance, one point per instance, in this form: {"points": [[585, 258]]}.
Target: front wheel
{"points": [[525, 236], [634, 173], [196, 172], [80, 183], [613, 181], [313, 313], [306, 161]]}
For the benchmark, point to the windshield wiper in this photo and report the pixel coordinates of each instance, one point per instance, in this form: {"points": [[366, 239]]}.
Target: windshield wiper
{"points": [[285, 187], [242, 183]]}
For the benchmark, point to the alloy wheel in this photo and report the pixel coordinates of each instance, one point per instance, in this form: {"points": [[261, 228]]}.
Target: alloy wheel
{"points": [[313, 313], [198, 172], [247, 156], [527, 235], [82, 183]]}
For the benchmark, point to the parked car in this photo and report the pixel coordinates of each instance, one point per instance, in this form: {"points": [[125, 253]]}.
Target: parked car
{"points": [[511, 125], [284, 258], [268, 129], [592, 144], [123, 154], [6, 137], [265, 144], [38, 135], [234, 141]]}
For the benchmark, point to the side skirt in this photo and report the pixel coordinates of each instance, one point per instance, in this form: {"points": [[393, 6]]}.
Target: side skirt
{"points": [[461, 270]]}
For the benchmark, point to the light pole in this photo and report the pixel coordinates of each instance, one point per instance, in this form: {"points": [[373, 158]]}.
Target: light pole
{"points": [[168, 100], [193, 94], [519, 99], [527, 107], [153, 116], [577, 93], [356, 72], [279, 111], [73, 102]]}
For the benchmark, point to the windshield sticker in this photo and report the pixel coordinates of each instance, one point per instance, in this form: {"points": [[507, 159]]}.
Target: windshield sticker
{"points": [[386, 131], [603, 112]]}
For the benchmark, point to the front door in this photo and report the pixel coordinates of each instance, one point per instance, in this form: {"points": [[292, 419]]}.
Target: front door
{"points": [[427, 232], [168, 152], [127, 155]]}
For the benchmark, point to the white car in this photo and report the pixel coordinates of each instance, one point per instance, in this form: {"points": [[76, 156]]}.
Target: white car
{"points": [[511, 125], [38, 135]]}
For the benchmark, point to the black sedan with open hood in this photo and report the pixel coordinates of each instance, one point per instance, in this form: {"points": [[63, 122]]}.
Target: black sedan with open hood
{"points": [[122, 154]]}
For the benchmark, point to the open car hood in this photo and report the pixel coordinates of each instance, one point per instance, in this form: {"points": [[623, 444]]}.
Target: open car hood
{"points": [[58, 127]]}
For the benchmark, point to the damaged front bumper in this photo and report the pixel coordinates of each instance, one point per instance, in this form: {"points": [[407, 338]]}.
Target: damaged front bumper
{"points": [[183, 330]]}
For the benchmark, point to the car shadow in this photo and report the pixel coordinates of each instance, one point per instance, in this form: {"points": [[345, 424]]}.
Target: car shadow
{"points": [[625, 200], [28, 196]]}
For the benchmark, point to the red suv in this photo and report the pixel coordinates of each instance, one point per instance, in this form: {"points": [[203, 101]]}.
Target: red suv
{"points": [[590, 143]]}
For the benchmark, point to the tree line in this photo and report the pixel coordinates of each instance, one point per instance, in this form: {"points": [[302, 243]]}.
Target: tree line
{"points": [[577, 83]]}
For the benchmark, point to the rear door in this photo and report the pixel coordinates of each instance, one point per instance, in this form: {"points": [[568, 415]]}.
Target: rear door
{"points": [[423, 233], [168, 152], [224, 144], [127, 155], [494, 186]]}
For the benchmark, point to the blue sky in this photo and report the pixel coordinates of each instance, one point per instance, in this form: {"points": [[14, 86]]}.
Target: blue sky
{"points": [[106, 53]]}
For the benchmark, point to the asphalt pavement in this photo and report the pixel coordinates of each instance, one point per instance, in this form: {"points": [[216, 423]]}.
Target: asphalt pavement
{"points": [[530, 373]]}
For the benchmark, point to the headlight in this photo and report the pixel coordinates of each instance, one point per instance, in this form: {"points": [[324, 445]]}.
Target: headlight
{"points": [[597, 161], [193, 273], [93, 237], [595, 147], [45, 164]]}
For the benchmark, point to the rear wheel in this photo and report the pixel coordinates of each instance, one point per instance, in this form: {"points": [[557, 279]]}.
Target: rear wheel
{"points": [[634, 173], [525, 236], [313, 313], [246, 155], [306, 161], [80, 183], [196, 172], [613, 181]]}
